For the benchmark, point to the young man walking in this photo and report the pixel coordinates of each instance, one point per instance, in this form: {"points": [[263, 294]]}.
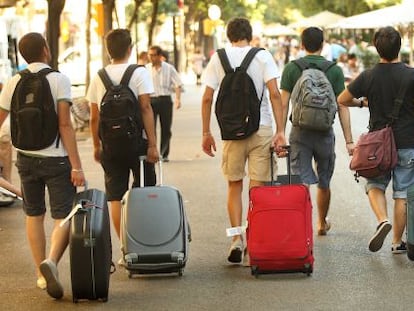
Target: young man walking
{"points": [[57, 167], [380, 86], [255, 148], [117, 170], [165, 78], [308, 145]]}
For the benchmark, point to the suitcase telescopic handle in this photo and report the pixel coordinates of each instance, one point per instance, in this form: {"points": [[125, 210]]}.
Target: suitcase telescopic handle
{"points": [[289, 173], [142, 173]]}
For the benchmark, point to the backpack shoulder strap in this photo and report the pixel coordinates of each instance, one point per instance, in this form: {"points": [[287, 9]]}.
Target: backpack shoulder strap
{"points": [[326, 65], [301, 63], [224, 60], [105, 78], [128, 74], [46, 71], [249, 57]]}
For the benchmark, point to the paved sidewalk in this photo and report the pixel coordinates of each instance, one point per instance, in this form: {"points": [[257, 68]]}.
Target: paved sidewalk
{"points": [[347, 276]]}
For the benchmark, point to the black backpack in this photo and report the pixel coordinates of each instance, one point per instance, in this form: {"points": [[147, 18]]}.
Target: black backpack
{"points": [[120, 121], [237, 105], [34, 122]]}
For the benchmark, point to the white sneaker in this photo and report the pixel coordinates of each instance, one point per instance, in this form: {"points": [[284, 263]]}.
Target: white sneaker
{"points": [[50, 273]]}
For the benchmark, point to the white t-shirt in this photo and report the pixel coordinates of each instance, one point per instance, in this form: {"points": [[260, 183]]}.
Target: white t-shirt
{"points": [[60, 89], [262, 69], [140, 83]]}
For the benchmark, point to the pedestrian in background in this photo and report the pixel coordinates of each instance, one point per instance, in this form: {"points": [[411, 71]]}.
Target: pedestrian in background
{"points": [[255, 148], [117, 170], [143, 58], [57, 167], [380, 86], [166, 80], [197, 64], [308, 145]]}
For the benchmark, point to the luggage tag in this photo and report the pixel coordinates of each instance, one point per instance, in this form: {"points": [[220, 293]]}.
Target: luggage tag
{"points": [[235, 231], [71, 214]]}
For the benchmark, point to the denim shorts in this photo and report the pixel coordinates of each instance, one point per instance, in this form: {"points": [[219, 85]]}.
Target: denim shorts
{"points": [[37, 173], [402, 175], [308, 146]]}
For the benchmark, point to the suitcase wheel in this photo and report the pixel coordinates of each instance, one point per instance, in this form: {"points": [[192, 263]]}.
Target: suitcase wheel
{"points": [[308, 269], [75, 300], [180, 272], [410, 251], [255, 271]]}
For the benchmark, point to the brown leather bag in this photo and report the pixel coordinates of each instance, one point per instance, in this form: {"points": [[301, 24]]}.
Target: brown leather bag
{"points": [[376, 153]]}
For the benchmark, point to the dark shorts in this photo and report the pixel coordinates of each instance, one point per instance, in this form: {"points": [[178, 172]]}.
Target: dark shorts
{"points": [[309, 146], [36, 174], [117, 176]]}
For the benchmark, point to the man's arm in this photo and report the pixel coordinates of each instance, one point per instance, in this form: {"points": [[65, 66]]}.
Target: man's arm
{"points": [[149, 126], [178, 97], [3, 115], [280, 110], [68, 137], [344, 117], [208, 143], [94, 127]]}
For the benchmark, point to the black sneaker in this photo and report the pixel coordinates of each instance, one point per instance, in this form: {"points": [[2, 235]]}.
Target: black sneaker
{"points": [[377, 240], [236, 251], [399, 248]]}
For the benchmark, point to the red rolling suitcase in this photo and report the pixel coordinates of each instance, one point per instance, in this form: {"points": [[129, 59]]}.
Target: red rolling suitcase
{"points": [[279, 233]]}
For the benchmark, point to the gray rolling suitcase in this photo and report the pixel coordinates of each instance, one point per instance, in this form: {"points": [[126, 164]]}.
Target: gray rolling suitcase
{"points": [[154, 230]]}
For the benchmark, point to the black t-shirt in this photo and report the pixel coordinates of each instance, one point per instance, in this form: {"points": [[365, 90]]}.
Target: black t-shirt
{"points": [[380, 85]]}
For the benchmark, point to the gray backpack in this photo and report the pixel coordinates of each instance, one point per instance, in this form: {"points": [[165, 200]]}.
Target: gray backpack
{"points": [[313, 99]]}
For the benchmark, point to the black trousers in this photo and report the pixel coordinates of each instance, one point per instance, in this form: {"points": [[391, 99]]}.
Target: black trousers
{"points": [[162, 107]]}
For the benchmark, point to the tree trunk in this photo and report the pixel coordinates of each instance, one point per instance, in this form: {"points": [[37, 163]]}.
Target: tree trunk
{"points": [[55, 8], [88, 42], [108, 7], [153, 21]]}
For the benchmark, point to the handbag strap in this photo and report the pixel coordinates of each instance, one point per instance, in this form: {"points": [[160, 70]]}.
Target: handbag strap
{"points": [[398, 101]]}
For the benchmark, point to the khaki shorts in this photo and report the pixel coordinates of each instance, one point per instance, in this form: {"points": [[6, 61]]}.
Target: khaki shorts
{"points": [[254, 150]]}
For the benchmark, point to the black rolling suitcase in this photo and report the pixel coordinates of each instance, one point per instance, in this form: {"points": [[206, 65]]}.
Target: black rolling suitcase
{"points": [[90, 246]]}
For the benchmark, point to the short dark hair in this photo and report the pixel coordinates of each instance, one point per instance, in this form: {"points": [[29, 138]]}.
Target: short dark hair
{"points": [[117, 43], [312, 39], [31, 47], [157, 49], [387, 41], [238, 29]]}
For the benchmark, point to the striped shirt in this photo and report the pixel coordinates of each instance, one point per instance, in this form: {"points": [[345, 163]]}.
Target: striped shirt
{"points": [[165, 79]]}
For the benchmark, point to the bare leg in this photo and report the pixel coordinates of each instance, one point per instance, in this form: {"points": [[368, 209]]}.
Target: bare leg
{"points": [[59, 240], [400, 220], [378, 204], [323, 199], [116, 207], [379, 207], [234, 204], [37, 240]]}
